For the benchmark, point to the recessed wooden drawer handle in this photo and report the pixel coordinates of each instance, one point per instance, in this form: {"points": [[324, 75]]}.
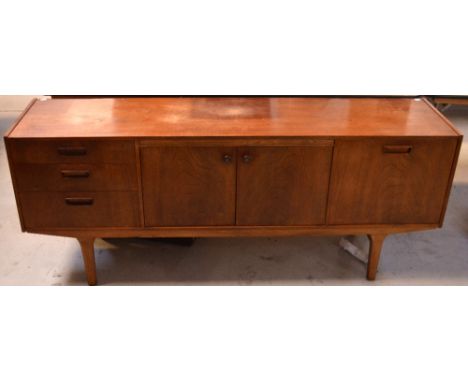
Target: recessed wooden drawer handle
{"points": [[72, 151], [75, 173], [79, 201], [397, 149]]}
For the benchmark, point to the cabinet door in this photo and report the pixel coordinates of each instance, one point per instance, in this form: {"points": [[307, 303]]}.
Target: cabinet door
{"points": [[188, 186], [279, 186], [390, 181]]}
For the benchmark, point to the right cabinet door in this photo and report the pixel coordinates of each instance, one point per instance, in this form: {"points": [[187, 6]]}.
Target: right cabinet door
{"points": [[390, 181], [281, 186]]}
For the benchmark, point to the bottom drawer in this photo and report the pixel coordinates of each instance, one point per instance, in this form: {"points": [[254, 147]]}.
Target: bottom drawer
{"points": [[77, 210]]}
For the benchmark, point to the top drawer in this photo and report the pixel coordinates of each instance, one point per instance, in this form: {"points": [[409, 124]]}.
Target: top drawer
{"points": [[71, 151]]}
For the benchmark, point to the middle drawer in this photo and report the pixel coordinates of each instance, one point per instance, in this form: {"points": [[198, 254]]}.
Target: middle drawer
{"points": [[76, 177]]}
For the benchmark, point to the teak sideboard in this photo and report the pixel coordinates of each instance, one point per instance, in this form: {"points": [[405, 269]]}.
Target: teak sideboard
{"points": [[201, 167]]}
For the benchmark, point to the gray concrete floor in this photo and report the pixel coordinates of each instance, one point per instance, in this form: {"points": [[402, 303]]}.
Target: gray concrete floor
{"points": [[438, 257]]}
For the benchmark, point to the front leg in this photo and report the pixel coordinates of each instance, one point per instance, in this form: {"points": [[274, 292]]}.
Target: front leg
{"points": [[376, 243], [87, 250]]}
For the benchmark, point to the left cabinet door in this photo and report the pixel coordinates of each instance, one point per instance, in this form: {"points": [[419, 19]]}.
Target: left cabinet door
{"points": [[188, 186]]}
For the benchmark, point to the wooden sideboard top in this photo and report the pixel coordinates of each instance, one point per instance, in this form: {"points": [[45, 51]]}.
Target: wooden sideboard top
{"points": [[231, 117]]}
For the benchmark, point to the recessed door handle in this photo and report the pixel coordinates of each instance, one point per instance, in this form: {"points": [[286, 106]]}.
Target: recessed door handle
{"points": [[79, 201], [397, 149], [72, 151], [75, 173]]}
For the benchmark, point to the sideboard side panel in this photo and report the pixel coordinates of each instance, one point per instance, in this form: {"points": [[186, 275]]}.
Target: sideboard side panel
{"points": [[450, 182], [8, 148]]}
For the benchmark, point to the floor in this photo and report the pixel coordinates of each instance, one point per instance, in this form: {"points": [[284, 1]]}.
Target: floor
{"points": [[437, 257]]}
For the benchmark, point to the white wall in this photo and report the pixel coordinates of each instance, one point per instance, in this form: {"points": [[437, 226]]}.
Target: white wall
{"points": [[14, 103]]}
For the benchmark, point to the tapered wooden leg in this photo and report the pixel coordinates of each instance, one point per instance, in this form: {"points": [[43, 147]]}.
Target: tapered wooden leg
{"points": [[87, 250], [376, 242]]}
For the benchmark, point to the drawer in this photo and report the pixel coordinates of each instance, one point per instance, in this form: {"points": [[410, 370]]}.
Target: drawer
{"points": [[72, 151], [75, 177], [79, 209]]}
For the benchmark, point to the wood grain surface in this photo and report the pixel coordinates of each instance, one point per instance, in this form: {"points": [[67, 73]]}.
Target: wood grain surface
{"points": [[282, 185], [184, 186], [370, 185], [71, 151], [231, 117], [76, 177], [107, 209]]}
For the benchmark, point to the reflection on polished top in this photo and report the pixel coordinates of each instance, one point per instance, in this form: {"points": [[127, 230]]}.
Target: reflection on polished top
{"points": [[232, 117]]}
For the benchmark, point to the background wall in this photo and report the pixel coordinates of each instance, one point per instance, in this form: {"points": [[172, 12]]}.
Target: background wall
{"points": [[14, 103]]}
